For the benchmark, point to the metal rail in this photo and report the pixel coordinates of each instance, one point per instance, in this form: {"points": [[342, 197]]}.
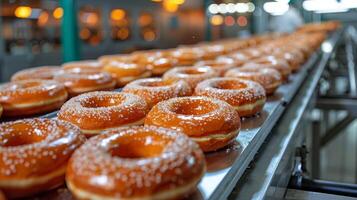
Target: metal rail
{"points": [[272, 170]]}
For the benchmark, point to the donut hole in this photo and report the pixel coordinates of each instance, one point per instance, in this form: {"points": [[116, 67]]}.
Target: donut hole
{"points": [[96, 102], [194, 107], [22, 134], [126, 146], [229, 85]]}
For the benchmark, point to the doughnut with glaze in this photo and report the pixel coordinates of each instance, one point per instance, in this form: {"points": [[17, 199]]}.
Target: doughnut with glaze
{"points": [[84, 64], [269, 78], [212, 123], [34, 155], [28, 97], [44, 73], [192, 75], [272, 62], [0, 110], [221, 65], [79, 81], [139, 162], [185, 56], [94, 112], [247, 97], [125, 72], [155, 90]]}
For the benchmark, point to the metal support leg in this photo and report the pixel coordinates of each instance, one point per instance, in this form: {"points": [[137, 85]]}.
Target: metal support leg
{"points": [[351, 65], [69, 36], [315, 154], [335, 130]]}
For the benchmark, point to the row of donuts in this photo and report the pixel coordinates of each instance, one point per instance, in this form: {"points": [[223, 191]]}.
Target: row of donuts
{"points": [[181, 119], [44, 89], [27, 96]]}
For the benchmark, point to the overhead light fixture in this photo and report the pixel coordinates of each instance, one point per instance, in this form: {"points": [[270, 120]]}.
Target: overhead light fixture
{"points": [[23, 12], [242, 7], [326, 6], [276, 8], [213, 8]]}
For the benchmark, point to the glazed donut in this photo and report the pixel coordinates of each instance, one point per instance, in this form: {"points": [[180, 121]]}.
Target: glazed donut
{"points": [[1, 110], [84, 64], [247, 97], [154, 90], [212, 123], [156, 62], [44, 73], [186, 56], [125, 72], [160, 65], [167, 165], [269, 78], [94, 112], [34, 155], [104, 60], [210, 52], [78, 81], [221, 65], [192, 75], [28, 97], [272, 62]]}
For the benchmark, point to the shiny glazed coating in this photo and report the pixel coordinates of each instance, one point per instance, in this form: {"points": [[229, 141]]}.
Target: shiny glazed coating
{"points": [[34, 154], [28, 97], [97, 111], [125, 72], [270, 79], [211, 123], [221, 65], [43, 73], [192, 75], [155, 90], [247, 97], [78, 81], [1, 110], [168, 165], [272, 62], [83, 64]]}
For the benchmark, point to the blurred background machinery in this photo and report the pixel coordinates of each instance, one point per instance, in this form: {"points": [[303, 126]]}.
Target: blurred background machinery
{"points": [[32, 31]]}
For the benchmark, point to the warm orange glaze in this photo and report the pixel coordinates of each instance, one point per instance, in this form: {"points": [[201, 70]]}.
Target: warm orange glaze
{"points": [[0, 110], [116, 57], [247, 97], [96, 111], [154, 90], [84, 64], [269, 78], [45, 73], [78, 81], [210, 52], [28, 97], [186, 56], [220, 65], [125, 72], [211, 123], [192, 75], [272, 62], [34, 154], [294, 58], [155, 61], [136, 163]]}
